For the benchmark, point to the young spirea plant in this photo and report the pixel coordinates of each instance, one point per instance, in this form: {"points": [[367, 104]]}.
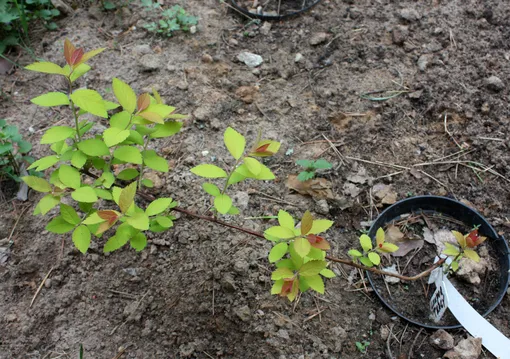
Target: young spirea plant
{"points": [[311, 168], [465, 248], [370, 256], [117, 156]]}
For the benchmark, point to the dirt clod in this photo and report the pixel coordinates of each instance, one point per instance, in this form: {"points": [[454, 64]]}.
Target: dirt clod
{"points": [[441, 339]]}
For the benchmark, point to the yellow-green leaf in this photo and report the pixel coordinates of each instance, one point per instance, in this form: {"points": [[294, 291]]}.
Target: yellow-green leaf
{"points": [[57, 134], [46, 203], [277, 287], [302, 246], [316, 283], [93, 219], [282, 273], [44, 163], [374, 258], [280, 232], [235, 142], [138, 242], [69, 176], [450, 249], [366, 262], [461, 240], [312, 268], [157, 206], [36, 183], [90, 54], [128, 154], [366, 242], [167, 129], [471, 254], [127, 197], [51, 99], [379, 236], [78, 159], [306, 222], [212, 189], [327, 273], [69, 214], [46, 67], [59, 226], [320, 225], [90, 101], [222, 203], [387, 248], [78, 71], [113, 136], [81, 238], [209, 171], [84, 194], [152, 160], [120, 120], [277, 252], [93, 147], [139, 221], [286, 220], [125, 95], [355, 253], [253, 165]]}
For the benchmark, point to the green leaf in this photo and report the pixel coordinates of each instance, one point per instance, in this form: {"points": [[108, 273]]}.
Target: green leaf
{"points": [[277, 287], [107, 179], [69, 176], [366, 242], [51, 99], [387, 248], [222, 203], [302, 246], [94, 147], [120, 120], [304, 163], [85, 194], [46, 67], [46, 203], [286, 263], [90, 101], [312, 268], [147, 183], [320, 225], [235, 142], [366, 262], [138, 242], [135, 137], [277, 252], [103, 193], [93, 218], [81, 238], [113, 136], [152, 160], [374, 258], [126, 197], [315, 282], [43, 163], [280, 232], [164, 222], [450, 250], [327, 273], [209, 171], [115, 243], [24, 146], [157, 206], [305, 176], [212, 189], [455, 266], [253, 166], [322, 164], [167, 129], [282, 273], [128, 154], [128, 174], [286, 220], [355, 253], [59, 226], [69, 214], [233, 211], [57, 134], [36, 183], [79, 71], [139, 221], [78, 159], [125, 95], [471, 254]]}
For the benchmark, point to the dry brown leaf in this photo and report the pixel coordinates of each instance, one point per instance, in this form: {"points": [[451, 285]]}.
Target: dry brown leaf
{"points": [[385, 193], [317, 187], [393, 235], [408, 246]]}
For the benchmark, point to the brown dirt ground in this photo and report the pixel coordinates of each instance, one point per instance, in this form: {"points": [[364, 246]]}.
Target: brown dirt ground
{"points": [[200, 291]]}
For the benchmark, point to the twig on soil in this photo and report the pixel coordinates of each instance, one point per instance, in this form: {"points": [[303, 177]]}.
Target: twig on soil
{"points": [[262, 112], [402, 337], [491, 139], [449, 133], [120, 353], [333, 147], [16, 224], [136, 308], [209, 355], [314, 315], [122, 294], [388, 342], [253, 191], [40, 286]]}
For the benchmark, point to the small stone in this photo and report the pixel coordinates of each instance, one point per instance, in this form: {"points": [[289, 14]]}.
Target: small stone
{"points": [[340, 335], [318, 38], [469, 348], [247, 93], [470, 271], [298, 58], [9, 318], [95, 13], [243, 313], [233, 42], [193, 29], [385, 332], [423, 62], [241, 199], [159, 242], [207, 59], [322, 207], [410, 14], [265, 28], [201, 113], [250, 59], [400, 34], [150, 62], [495, 84], [282, 333], [48, 283], [485, 108], [371, 317], [441, 340], [142, 49]]}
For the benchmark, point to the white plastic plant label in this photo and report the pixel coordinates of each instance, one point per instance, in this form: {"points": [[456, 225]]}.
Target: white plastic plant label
{"points": [[439, 302]]}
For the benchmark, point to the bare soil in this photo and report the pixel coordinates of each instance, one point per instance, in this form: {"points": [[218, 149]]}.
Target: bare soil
{"points": [[201, 291]]}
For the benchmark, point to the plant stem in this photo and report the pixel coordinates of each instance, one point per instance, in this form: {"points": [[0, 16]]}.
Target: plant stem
{"points": [[142, 165], [73, 109], [230, 172]]}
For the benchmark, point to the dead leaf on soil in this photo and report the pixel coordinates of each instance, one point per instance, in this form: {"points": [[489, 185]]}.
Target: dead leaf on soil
{"points": [[384, 193], [405, 244], [360, 178], [317, 187], [428, 236], [341, 120], [351, 189]]}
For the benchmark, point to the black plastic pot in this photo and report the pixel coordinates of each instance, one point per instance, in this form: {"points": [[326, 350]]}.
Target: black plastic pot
{"points": [[461, 212], [272, 17]]}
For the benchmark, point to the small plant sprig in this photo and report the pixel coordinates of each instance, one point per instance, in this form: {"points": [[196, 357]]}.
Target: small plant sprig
{"points": [[370, 256], [13, 152], [245, 166], [465, 248], [311, 168], [170, 20], [120, 153]]}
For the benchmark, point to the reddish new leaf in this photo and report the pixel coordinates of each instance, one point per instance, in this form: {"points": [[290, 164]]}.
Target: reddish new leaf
{"points": [[143, 102], [474, 239], [109, 216], [69, 50], [318, 242], [76, 57]]}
